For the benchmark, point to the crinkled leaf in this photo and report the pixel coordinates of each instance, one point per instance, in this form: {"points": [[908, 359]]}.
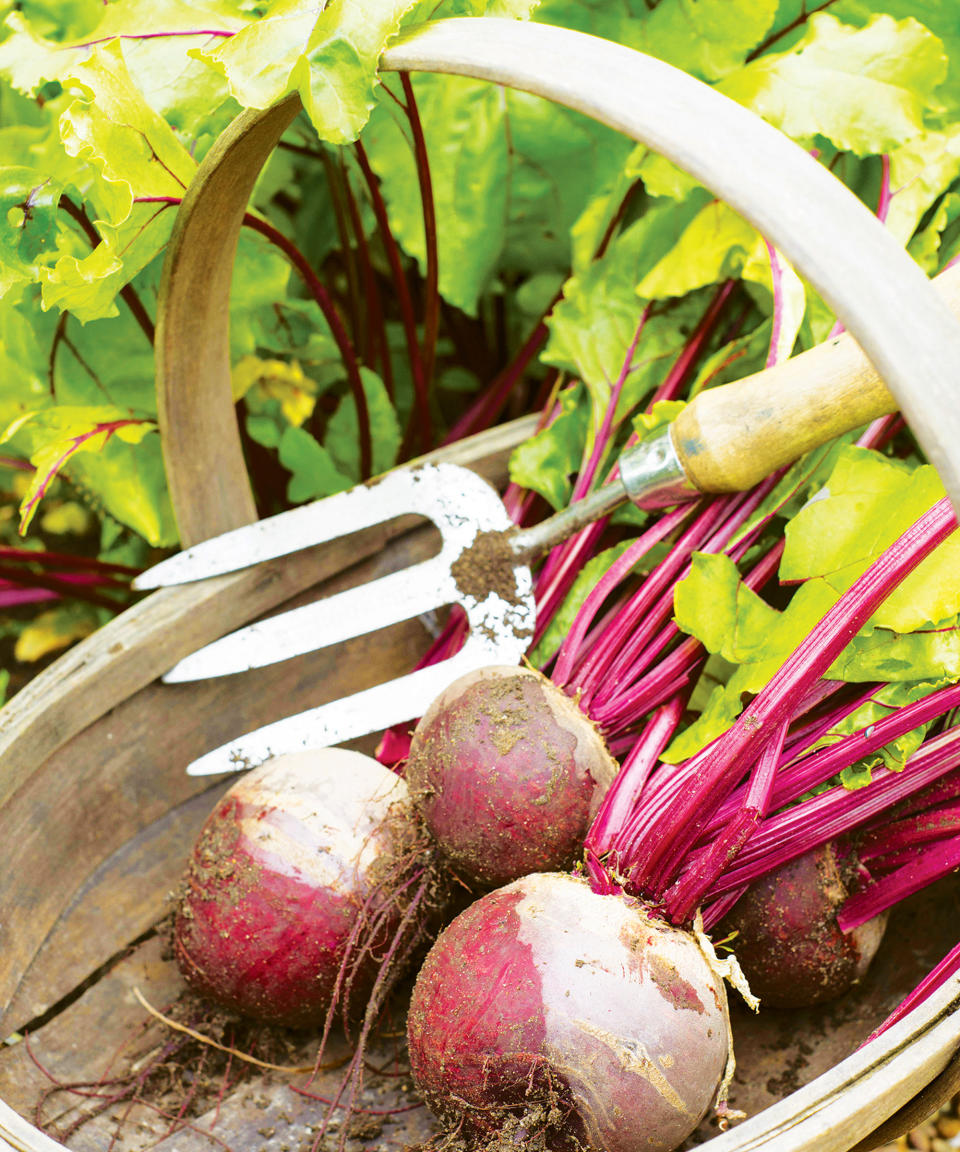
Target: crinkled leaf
{"points": [[868, 502], [342, 439], [708, 38], [158, 38], [594, 324], [135, 154], [26, 59], [714, 246], [337, 75], [865, 89], [259, 60], [463, 122], [59, 436], [330, 57], [546, 461], [313, 471], [941, 17], [562, 620]]}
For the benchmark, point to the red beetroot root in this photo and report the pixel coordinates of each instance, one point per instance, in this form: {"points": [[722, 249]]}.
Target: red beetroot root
{"points": [[292, 893], [788, 942], [568, 1019], [507, 773]]}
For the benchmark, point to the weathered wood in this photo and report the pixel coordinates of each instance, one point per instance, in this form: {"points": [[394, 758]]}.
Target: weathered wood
{"points": [[107, 1030], [206, 473]]}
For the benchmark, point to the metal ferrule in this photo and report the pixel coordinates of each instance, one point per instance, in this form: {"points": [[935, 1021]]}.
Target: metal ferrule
{"points": [[653, 475]]}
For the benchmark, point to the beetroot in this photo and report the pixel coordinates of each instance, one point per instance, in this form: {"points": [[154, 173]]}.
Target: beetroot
{"points": [[292, 895], [507, 773], [788, 942], [547, 1011]]}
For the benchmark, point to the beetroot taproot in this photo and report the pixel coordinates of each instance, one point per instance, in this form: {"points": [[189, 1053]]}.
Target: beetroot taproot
{"points": [[788, 942], [576, 1020], [292, 894], [507, 773]]}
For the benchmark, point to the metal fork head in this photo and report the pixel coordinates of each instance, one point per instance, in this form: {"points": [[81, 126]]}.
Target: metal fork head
{"points": [[475, 568]]}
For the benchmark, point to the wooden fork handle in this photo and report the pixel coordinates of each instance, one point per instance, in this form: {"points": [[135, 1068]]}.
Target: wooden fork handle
{"points": [[730, 437]]}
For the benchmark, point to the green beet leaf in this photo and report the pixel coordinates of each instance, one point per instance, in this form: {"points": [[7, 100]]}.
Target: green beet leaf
{"points": [[714, 246], [594, 324], [546, 461], [337, 74], [919, 172], [342, 439], [57, 438], [869, 501], [464, 126], [330, 58], [708, 38], [313, 471], [29, 223], [559, 159], [126, 480], [134, 155], [941, 17], [259, 60], [867, 90]]}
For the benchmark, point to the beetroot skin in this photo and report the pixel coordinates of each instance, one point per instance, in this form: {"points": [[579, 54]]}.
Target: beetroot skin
{"points": [[293, 873], [545, 1010], [788, 942], [507, 773]]}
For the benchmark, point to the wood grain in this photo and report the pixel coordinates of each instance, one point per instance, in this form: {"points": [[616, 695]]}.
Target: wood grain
{"points": [[731, 437]]}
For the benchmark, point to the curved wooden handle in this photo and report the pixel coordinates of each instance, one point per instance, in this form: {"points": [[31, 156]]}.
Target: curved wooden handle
{"points": [[206, 472], [731, 437]]}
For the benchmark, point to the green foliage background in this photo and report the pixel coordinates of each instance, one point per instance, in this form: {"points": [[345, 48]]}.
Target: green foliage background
{"points": [[106, 110]]}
